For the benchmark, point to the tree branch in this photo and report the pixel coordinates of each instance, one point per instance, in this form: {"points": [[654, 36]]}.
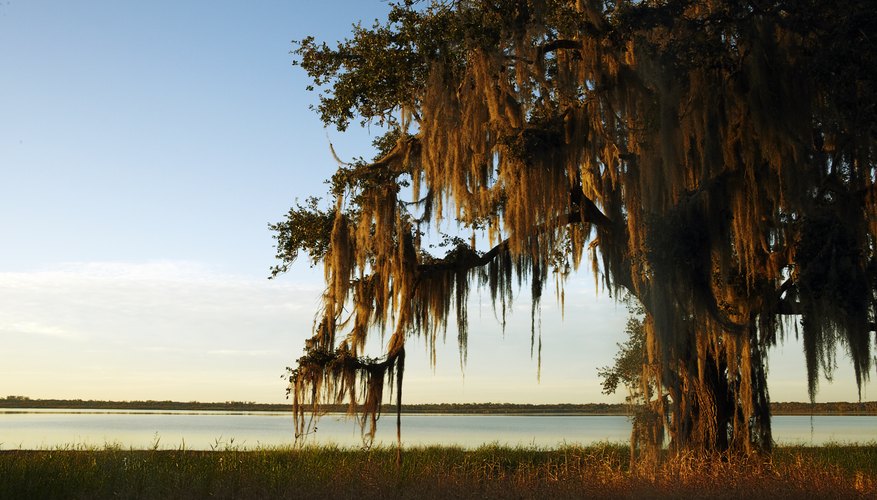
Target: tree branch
{"points": [[556, 45], [589, 214]]}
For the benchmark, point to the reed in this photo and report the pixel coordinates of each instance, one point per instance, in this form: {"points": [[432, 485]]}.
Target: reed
{"points": [[432, 472]]}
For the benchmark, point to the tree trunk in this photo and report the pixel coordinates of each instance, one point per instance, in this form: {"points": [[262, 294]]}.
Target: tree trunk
{"points": [[710, 405]]}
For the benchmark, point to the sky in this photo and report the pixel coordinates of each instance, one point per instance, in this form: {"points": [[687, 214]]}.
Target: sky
{"points": [[144, 149]]}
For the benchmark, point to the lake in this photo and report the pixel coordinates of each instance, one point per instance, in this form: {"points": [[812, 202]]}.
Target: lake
{"points": [[204, 430]]}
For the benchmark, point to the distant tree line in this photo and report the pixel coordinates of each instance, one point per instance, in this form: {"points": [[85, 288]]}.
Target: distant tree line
{"points": [[793, 408]]}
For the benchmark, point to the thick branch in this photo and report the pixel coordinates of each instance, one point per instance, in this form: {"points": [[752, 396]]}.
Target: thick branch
{"points": [[555, 45], [404, 147], [590, 214]]}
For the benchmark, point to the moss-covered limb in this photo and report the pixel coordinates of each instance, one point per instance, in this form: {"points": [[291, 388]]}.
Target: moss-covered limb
{"points": [[340, 375], [464, 258]]}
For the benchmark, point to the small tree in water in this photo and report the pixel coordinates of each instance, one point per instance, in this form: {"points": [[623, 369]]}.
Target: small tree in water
{"points": [[713, 158]]}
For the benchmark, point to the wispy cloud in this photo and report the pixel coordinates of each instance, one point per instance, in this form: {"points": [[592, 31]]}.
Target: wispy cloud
{"points": [[115, 326], [35, 328], [241, 352]]}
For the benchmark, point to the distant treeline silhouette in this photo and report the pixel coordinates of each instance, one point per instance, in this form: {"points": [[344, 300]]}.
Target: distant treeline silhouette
{"points": [[788, 408]]}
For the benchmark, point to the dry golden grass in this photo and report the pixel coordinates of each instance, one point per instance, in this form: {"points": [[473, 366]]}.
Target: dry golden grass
{"points": [[434, 472]]}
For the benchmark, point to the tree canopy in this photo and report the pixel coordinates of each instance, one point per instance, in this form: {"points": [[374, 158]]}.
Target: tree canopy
{"points": [[713, 158]]}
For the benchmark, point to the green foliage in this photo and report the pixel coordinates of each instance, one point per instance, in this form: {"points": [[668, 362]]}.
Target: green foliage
{"points": [[627, 368], [306, 228], [17, 398], [370, 75]]}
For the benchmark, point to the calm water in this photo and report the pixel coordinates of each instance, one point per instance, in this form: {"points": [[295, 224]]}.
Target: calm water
{"points": [[34, 429]]}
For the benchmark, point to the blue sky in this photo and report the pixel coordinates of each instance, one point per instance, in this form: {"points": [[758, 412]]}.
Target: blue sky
{"points": [[144, 148]]}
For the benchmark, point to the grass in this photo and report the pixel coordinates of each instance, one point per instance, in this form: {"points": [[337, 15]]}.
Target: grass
{"points": [[833, 471]]}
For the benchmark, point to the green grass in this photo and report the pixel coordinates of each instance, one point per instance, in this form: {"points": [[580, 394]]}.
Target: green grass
{"points": [[848, 458], [431, 472]]}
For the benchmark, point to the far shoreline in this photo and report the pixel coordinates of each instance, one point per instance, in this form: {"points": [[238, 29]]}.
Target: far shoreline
{"points": [[571, 409]]}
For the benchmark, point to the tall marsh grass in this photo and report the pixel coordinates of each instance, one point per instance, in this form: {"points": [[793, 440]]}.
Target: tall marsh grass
{"points": [[835, 471]]}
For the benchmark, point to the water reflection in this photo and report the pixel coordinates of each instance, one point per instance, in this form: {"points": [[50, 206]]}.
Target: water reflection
{"points": [[204, 430]]}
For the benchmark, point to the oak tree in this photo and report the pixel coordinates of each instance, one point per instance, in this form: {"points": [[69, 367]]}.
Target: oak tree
{"points": [[714, 158]]}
